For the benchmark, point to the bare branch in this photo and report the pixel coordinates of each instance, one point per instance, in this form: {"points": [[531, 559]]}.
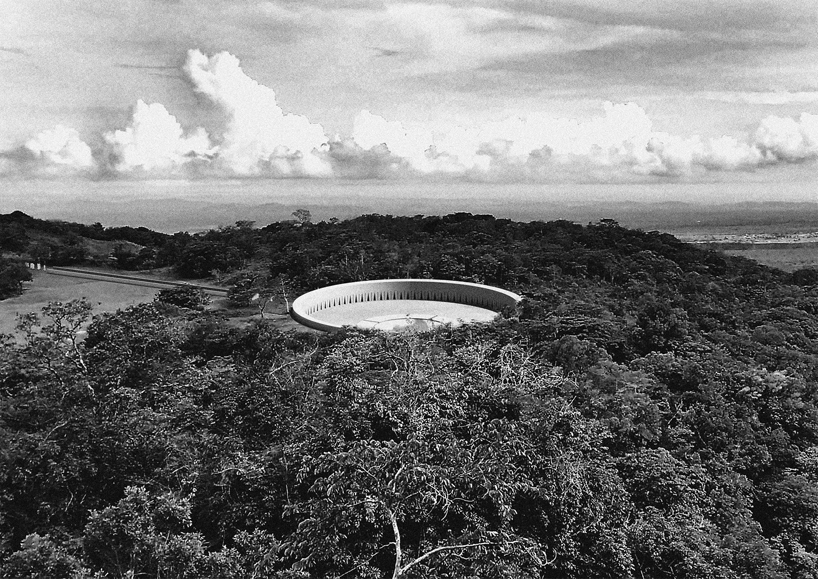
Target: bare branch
{"points": [[396, 531], [438, 550]]}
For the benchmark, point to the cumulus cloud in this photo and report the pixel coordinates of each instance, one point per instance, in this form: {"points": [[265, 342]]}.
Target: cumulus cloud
{"points": [[261, 139], [373, 131], [621, 139], [349, 160], [54, 152], [785, 139], [155, 141], [61, 146], [672, 155]]}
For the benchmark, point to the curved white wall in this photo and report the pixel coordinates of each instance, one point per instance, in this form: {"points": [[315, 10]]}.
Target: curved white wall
{"points": [[458, 292]]}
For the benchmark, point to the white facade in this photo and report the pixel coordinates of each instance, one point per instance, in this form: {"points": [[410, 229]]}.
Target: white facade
{"points": [[311, 309]]}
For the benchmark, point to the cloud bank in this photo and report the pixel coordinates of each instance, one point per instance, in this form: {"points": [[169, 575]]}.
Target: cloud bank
{"points": [[259, 139]]}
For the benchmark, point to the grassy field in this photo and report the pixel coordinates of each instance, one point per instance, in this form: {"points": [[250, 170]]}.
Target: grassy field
{"points": [[45, 288], [109, 297], [788, 258]]}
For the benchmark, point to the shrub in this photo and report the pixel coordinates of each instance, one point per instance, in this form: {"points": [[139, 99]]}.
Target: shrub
{"points": [[184, 296]]}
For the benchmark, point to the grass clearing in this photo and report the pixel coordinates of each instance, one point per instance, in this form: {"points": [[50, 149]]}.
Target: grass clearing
{"points": [[103, 296], [781, 256], [106, 296]]}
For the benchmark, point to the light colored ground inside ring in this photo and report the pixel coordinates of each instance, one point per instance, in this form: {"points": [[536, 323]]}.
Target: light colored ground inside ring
{"points": [[385, 313]]}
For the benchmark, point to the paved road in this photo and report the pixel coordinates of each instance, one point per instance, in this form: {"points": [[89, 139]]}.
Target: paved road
{"points": [[132, 280]]}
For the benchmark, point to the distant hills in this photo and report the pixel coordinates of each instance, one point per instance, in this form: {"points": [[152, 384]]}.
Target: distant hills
{"points": [[170, 215]]}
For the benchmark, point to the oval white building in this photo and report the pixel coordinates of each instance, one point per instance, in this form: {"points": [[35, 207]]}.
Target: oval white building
{"points": [[400, 304]]}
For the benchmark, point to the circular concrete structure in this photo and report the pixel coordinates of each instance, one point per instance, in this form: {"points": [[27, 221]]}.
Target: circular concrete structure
{"points": [[400, 304]]}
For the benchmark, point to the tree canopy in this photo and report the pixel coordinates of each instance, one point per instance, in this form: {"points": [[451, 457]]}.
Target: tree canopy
{"points": [[649, 410]]}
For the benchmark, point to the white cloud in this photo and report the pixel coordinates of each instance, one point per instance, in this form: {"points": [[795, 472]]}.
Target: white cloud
{"points": [[372, 130], [786, 139], [61, 146], [260, 139], [678, 156], [259, 135], [155, 141], [728, 153]]}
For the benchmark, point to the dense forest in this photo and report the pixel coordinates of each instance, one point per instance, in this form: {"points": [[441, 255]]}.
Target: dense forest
{"points": [[649, 410]]}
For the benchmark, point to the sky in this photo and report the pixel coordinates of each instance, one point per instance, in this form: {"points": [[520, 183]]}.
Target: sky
{"points": [[484, 91]]}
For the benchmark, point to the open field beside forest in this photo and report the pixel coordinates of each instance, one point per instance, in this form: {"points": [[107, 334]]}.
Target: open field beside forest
{"points": [[782, 256], [45, 288], [786, 250], [110, 296]]}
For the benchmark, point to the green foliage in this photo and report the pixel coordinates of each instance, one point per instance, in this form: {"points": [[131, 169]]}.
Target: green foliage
{"points": [[13, 237], [12, 276], [62, 243], [41, 558], [649, 410], [183, 297], [302, 216], [131, 258], [67, 250], [423, 445]]}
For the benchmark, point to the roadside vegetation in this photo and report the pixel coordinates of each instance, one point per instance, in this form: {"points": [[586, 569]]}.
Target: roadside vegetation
{"points": [[12, 276], [649, 410]]}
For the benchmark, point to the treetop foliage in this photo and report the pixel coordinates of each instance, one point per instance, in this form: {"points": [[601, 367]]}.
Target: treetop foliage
{"points": [[649, 410]]}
